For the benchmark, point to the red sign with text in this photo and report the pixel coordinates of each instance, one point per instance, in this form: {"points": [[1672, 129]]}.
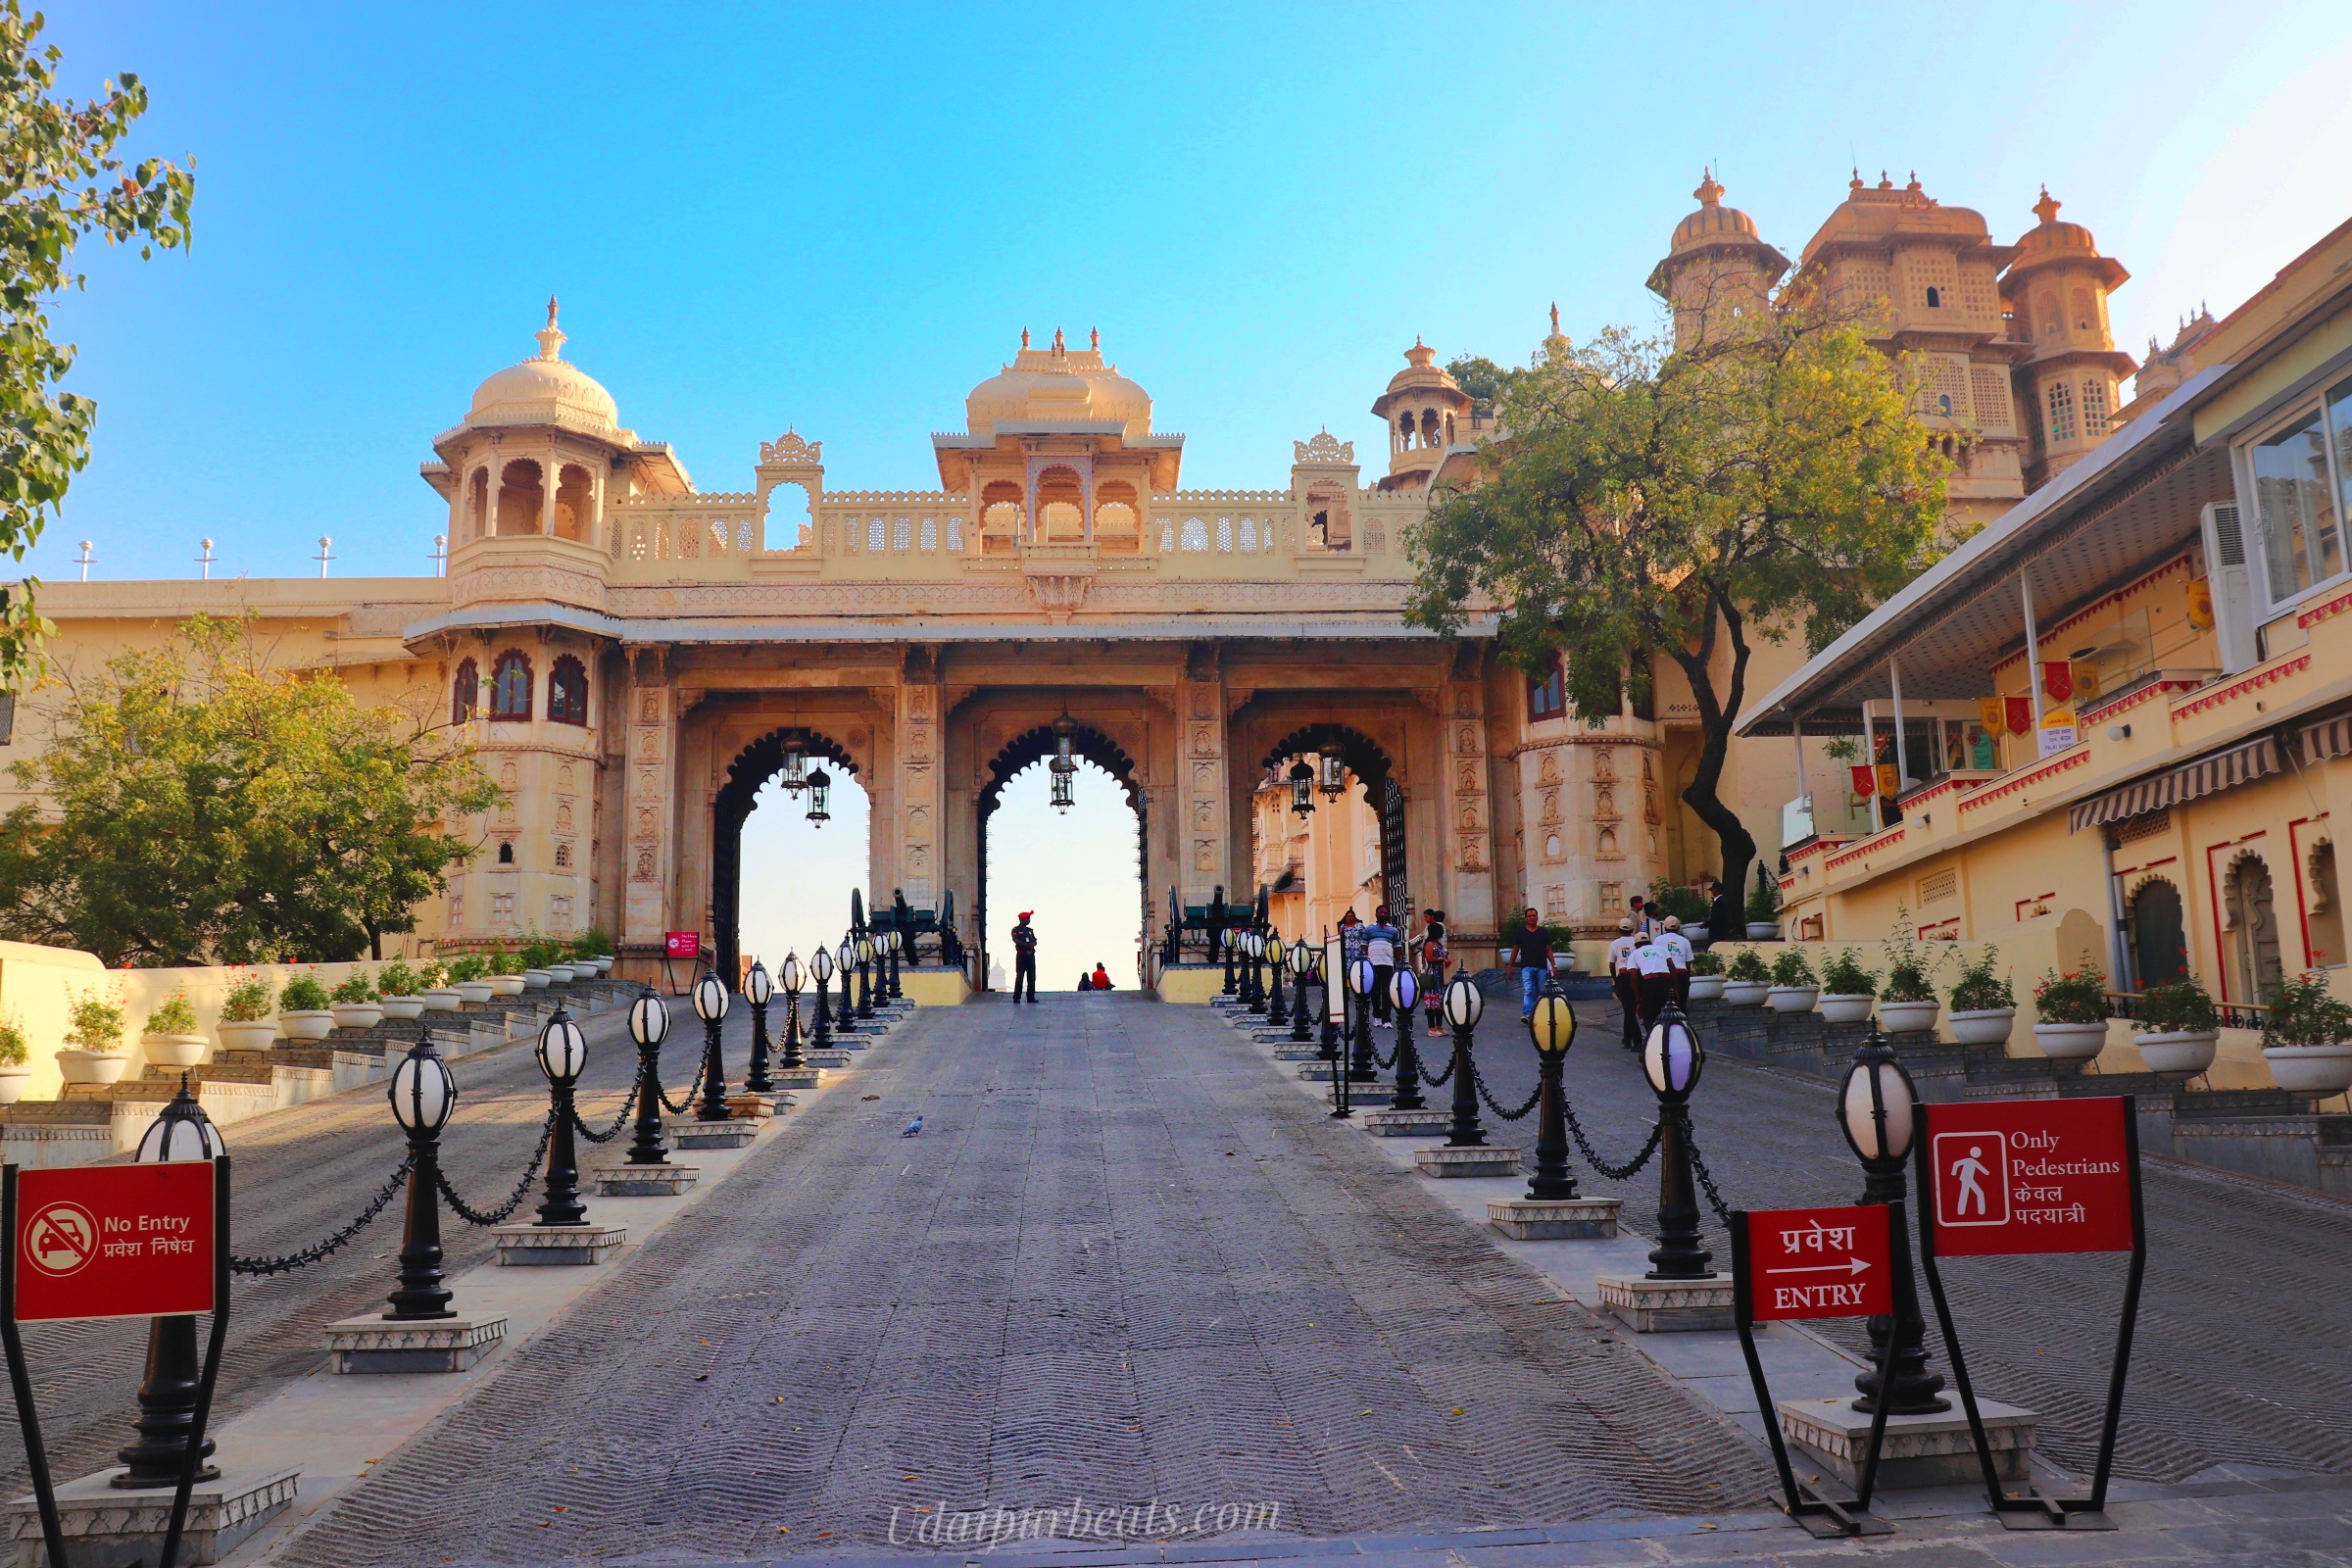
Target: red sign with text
{"points": [[2029, 1176], [1820, 1263], [685, 944], [115, 1241]]}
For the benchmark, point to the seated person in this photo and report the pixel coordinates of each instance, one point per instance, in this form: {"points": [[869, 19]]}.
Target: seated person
{"points": [[1101, 978]]}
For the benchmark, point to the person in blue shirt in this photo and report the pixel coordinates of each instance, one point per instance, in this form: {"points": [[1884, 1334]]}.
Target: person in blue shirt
{"points": [[1531, 955], [1381, 940]]}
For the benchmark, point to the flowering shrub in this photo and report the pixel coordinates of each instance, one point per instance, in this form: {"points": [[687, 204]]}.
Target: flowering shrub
{"points": [[1843, 976], [2072, 998]]}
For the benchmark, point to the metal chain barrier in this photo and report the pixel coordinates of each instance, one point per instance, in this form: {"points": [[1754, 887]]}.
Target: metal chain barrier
{"points": [[1706, 1180], [674, 1110], [1432, 1080], [628, 1106], [515, 1200], [1615, 1173], [1478, 1081], [288, 1262]]}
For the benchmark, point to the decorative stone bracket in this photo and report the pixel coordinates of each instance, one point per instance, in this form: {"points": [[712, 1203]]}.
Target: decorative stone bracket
{"points": [[1061, 577]]}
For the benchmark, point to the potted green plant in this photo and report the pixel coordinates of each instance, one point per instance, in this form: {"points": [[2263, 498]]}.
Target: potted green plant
{"points": [[1764, 906], [1706, 977], [400, 990], [2177, 1028], [543, 959], [506, 973], [1793, 987], [2070, 1010], [1746, 981], [93, 1050], [470, 973], [1907, 1003], [304, 1009], [1983, 1003], [1847, 990], [593, 949], [172, 1038], [355, 1003], [248, 1017], [16, 1060], [2307, 1037], [440, 995]]}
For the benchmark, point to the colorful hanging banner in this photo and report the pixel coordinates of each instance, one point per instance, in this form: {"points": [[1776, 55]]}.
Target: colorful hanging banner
{"points": [[2087, 680], [2020, 713], [2057, 679], [1866, 780], [1992, 713], [1890, 784]]}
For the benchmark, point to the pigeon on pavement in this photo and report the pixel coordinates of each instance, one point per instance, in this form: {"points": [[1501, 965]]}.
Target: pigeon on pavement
{"points": [[912, 1128]]}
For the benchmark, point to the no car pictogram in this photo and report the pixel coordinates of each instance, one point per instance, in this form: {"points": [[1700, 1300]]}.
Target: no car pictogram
{"points": [[60, 1239]]}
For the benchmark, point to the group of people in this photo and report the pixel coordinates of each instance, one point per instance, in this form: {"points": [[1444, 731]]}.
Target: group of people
{"points": [[1024, 964], [1380, 942], [1649, 966]]}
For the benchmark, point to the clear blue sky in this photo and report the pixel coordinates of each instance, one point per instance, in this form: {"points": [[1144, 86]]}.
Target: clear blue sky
{"points": [[839, 218]]}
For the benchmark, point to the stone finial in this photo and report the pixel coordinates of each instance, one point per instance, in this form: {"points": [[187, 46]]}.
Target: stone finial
{"points": [[1709, 192], [550, 337], [1024, 337], [2046, 209], [1060, 348], [1093, 339], [1556, 318]]}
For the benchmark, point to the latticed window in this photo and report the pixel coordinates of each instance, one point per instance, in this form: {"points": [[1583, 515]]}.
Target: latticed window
{"points": [[567, 692], [1196, 534], [1224, 536], [901, 535], [1249, 535], [956, 536], [464, 692], [511, 686], [930, 534], [877, 535], [2062, 411], [1168, 538], [2094, 407]]}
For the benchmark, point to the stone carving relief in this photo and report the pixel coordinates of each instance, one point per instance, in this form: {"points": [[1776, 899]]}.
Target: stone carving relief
{"points": [[1649, 804], [1322, 448], [563, 814], [1608, 842], [1551, 807], [648, 746], [1205, 813], [1604, 801], [1204, 743], [792, 448], [918, 742], [507, 775], [1605, 762], [1465, 739], [1204, 778], [1204, 855], [649, 707], [644, 872], [564, 778], [1472, 854], [1547, 770]]}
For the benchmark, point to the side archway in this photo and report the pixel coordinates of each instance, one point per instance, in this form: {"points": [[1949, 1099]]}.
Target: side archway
{"points": [[1373, 769], [752, 768]]}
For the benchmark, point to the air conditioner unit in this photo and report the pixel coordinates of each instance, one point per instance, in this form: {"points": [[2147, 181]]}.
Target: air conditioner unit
{"points": [[2231, 581]]}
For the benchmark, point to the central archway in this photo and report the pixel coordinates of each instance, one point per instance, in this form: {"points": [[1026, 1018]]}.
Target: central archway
{"points": [[1364, 757], [753, 767], [1018, 756]]}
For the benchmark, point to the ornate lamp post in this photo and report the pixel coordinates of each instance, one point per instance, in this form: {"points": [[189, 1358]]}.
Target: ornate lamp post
{"points": [[1334, 769], [1672, 1059], [1326, 960], [1303, 966], [423, 1094], [865, 975], [1878, 1109], [1225, 941], [1464, 1006], [563, 1054], [756, 989], [710, 1001], [1303, 788], [1279, 1012], [792, 977], [820, 797], [168, 1388], [1359, 983], [648, 1026], [1553, 1026], [1253, 980], [1404, 994], [845, 964], [822, 966], [897, 943]]}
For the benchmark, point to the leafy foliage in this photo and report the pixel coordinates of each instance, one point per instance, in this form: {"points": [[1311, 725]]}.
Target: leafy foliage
{"points": [[2177, 1006], [1790, 968], [1769, 480], [1979, 989], [2305, 1012], [1844, 976], [398, 979], [213, 809], [355, 988], [95, 1023], [248, 1002], [1909, 968], [175, 1014], [2072, 998], [432, 976], [303, 994], [1480, 377], [15, 1050], [468, 966], [1748, 965], [1684, 903], [63, 181]]}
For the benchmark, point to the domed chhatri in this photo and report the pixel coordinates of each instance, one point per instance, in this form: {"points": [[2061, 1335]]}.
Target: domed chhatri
{"points": [[1713, 223], [545, 390], [1058, 387]]}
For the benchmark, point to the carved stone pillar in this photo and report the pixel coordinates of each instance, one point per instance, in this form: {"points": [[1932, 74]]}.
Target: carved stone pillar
{"points": [[1205, 820], [1469, 831], [920, 755], [650, 797]]}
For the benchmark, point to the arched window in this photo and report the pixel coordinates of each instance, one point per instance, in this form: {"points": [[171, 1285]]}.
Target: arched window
{"points": [[956, 536], [2094, 407], [477, 506], [1196, 534], [1250, 536], [2062, 411], [464, 692], [2159, 941], [1429, 427], [505, 853], [2085, 317], [1224, 536], [563, 855], [522, 493], [567, 692], [877, 535], [1168, 538], [2050, 320], [1935, 298], [901, 535], [930, 535], [511, 686], [575, 503]]}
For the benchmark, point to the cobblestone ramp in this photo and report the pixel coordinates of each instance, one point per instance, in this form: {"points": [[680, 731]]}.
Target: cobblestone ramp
{"points": [[1124, 1262]]}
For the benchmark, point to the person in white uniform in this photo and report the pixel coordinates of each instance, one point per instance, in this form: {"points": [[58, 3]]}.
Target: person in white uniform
{"points": [[1678, 952], [1625, 980]]}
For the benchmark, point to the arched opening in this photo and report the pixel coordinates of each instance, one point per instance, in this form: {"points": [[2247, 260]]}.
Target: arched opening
{"points": [[798, 894], [575, 504], [511, 687], [1327, 516], [2248, 911], [2159, 940], [1351, 848], [1060, 507], [477, 505], [567, 692], [2324, 924], [1064, 864], [522, 496], [464, 692], [1000, 517], [1429, 427], [1118, 524]]}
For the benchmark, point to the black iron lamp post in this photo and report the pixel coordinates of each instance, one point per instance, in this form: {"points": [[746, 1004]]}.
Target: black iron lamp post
{"points": [[1552, 1027], [792, 977], [757, 988], [1278, 1014], [648, 1026], [1328, 1042], [895, 942], [1359, 984], [820, 797], [845, 964], [1878, 1109], [822, 966], [1464, 1006], [168, 1388], [563, 1054], [865, 975], [1225, 941], [423, 1094], [1671, 1058], [1254, 976], [711, 1003], [1303, 966], [1405, 994]]}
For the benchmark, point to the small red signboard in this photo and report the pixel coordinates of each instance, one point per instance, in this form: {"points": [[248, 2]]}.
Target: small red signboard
{"points": [[685, 944], [115, 1241], [1819, 1262], [2008, 1176]]}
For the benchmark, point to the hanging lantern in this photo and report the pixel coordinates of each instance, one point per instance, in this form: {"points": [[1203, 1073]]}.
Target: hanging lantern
{"points": [[1335, 770], [1302, 788], [1065, 732], [796, 766], [820, 796], [1064, 798]]}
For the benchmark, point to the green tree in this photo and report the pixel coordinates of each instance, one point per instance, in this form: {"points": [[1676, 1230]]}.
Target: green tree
{"points": [[1769, 480], [1480, 377], [60, 181], [204, 806]]}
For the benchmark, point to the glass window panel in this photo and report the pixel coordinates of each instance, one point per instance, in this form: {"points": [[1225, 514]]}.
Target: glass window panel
{"points": [[2340, 420], [2299, 542]]}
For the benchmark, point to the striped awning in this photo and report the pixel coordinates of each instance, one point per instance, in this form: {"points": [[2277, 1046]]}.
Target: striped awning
{"points": [[2331, 737], [2207, 776]]}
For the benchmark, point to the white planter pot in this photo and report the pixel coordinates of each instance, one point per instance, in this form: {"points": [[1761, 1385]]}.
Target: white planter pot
{"points": [[558, 974], [402, 1007], [1908, 1017], [477, 990], [505, 985], [604, 966], [11, 1084], [1840, 1007], [1984, 1026], [2300, 1069], [306, 1023], [358, 1014], [173, 1051], [81, 1066], [1791, 999], [1744, 993], [254, 1034], [1706, 988], [2071, 1042], [2178, 1050], [444, 998], [536, 979], [1763, 930]]}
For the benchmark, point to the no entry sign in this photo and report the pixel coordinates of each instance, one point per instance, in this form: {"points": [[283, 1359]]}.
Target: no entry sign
{"points": [[115, 1241], [2008, 1176], [1819, 1262], [685, 944]]}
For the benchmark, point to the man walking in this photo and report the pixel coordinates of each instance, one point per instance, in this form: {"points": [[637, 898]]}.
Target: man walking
{"points": [[1625, 978], [1532, 956], [1656, 981], [1024, 957], [1433, 967], [1677, 954]]}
